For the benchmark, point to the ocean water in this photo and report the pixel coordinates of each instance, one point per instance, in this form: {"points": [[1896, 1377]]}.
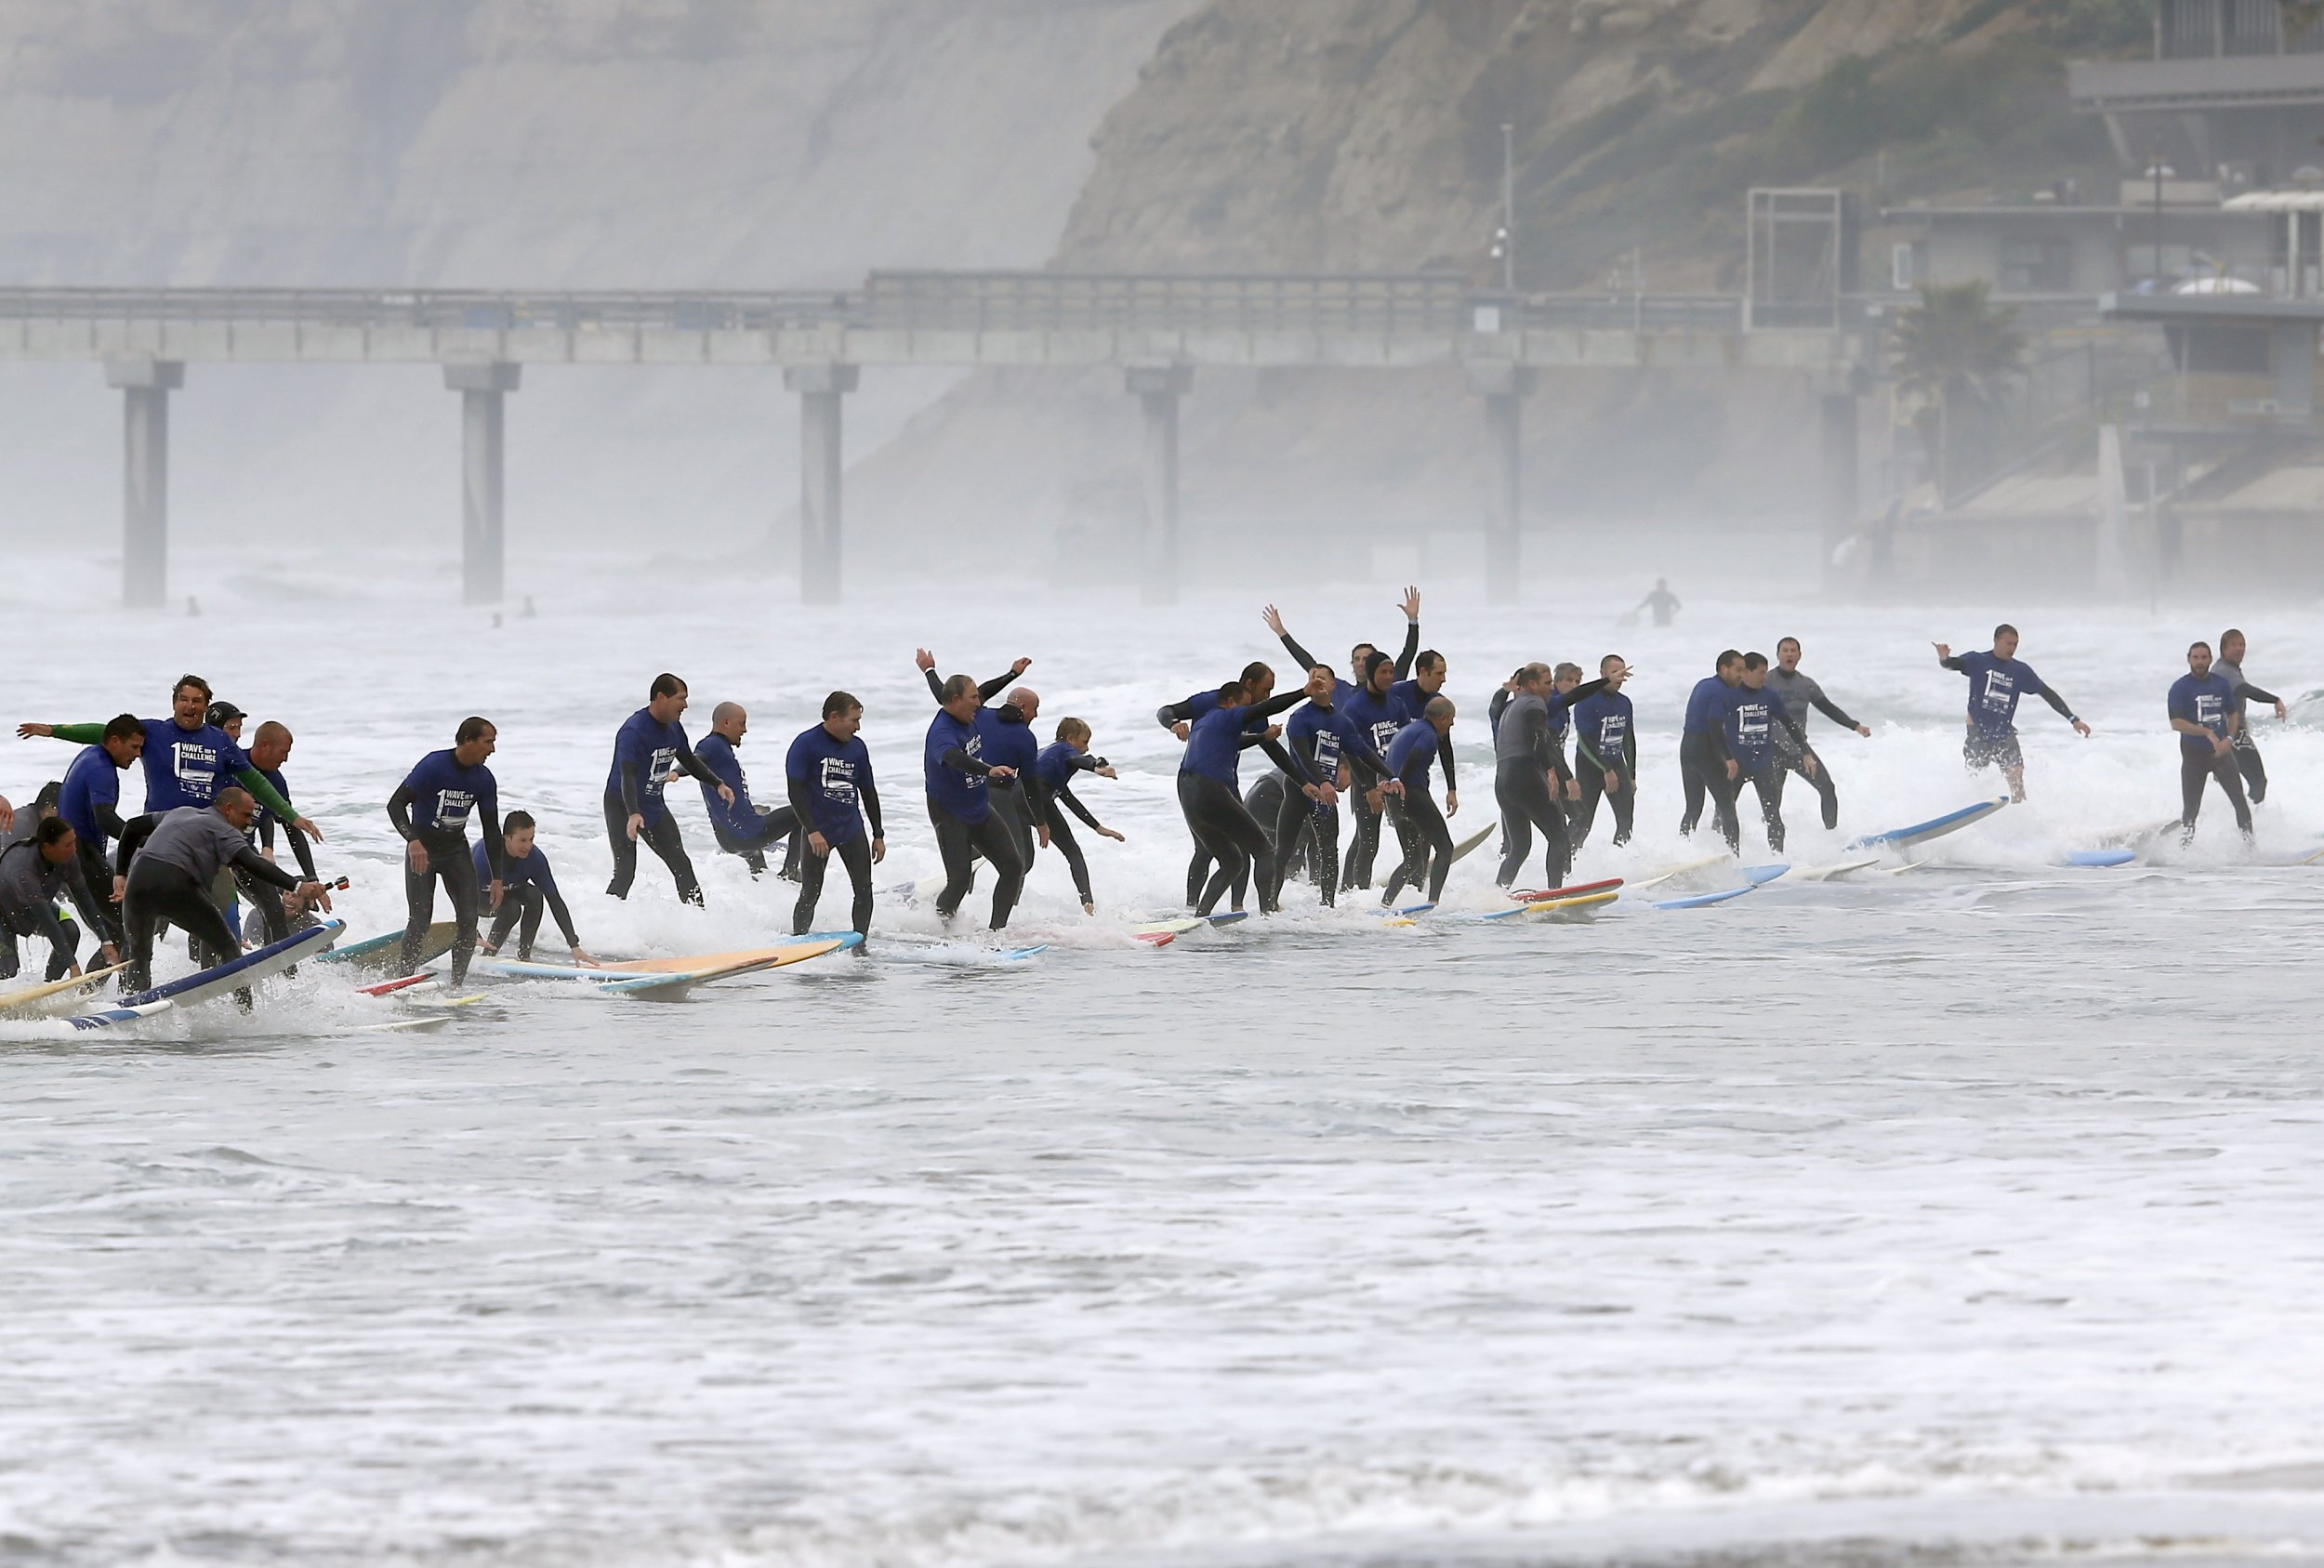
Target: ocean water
{"points": [[1967, 1215]]}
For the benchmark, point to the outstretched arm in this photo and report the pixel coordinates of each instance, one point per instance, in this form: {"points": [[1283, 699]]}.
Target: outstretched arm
{"points": [[1274, 618]]}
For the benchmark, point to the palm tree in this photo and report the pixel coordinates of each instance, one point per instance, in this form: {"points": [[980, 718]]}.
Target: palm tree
{"points": [[1959, 353]]}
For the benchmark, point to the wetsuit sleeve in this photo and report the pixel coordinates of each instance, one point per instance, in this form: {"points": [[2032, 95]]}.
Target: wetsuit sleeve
{"points": [[801, 801], [109, 822], [1444, 760], [305, 856], [960, 761], [399, 811], [1035, 796], [1954, 665], [1291, 646], [266, 830], [2249, 693], [48, 924], [563, 916], [80, 734], [698, 768], [935, 685], [628, 773], [1582, 692], [76, 885], [990, 688], [1281, 702], [1073, 804], [1830, 710], [488, 813], [2058, 702], [248, 859], [134, 833], [1411, 648], [1283, 758], [867, 795], [265, 794], [1170, 715]]}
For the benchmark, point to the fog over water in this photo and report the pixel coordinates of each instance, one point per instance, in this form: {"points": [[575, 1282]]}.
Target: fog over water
{"points": [[1963, 1212]]}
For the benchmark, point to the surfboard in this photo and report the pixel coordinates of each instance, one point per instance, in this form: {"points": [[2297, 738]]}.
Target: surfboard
{"points": [[1405, 912], [813, 945], [225, 979], [1702, 899], [56, 995], [2131, 837], [1156, 939], [428, 1025], [382, 954], [1936, 827], [1479, 836], [1682, 869], [1173, 927], [2100, 857], [109, 1017], [1576, 890], [386, 987], [1835, 870], [1760, 875], [1225, 918], [1579, 906]]}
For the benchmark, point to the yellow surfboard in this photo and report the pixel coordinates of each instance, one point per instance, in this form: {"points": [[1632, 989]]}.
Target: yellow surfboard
{"points": [[1584, 903], [27, 1003], [720, 965]]}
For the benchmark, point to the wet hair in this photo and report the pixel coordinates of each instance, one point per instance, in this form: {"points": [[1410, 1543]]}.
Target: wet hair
{"points": [[1610, 659], [1072, 729], [1256, 674], [1781, 640], [1566, 668], [840, 704], [2004, 629], [2204, 646], [1232, 694], [472, 728], [1754, 659], [955, 688], [1428, 659], [272, 729], [123, 726], [517, 821], [52, 830], [193, 680], [665, 685], [1438, 707], [1729, 656]]}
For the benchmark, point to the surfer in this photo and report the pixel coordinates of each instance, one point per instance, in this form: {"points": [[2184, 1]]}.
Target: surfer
{"points": [[740, 827], [1996, 680], [1705, 763], [1661, 603], [187, 759], [959, 806], [90, 800], [1259, 705], [1331, 747], [1528, 767], [1418, 747], [270, 748], [1009, 739], [1567, 683], [1606, 754], [1054, 773], [1800, 692], [1753, 718], [430, 810], [827, 773], [649, 742], [35, 873], [170, 859], [1210, 794], [528, 890], [2203, 710], [2230, 665], [1355, 871]]}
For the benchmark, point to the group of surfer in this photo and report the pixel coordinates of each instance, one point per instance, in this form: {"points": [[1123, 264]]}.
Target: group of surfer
{"points": [[213, 808]]}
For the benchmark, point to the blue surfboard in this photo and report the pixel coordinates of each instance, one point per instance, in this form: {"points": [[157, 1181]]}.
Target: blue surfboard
{"points": [[2101, 857], [1700, 900], [1760, 875], [1936, 827], [1226, 918], [235, 973]]}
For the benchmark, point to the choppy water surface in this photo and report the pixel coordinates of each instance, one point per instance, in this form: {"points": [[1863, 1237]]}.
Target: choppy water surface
{"points": [[1969, 1215]]}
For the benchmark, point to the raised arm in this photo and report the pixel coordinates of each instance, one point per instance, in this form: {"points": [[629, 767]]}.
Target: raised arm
{"points": [[1274, 618]]}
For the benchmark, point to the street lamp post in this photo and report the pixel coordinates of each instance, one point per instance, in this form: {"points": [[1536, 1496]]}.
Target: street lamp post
{"points": [[1509, 207]]}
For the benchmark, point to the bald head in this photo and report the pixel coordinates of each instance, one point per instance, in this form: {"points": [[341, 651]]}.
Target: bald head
{"points": [[1026, 701], [729, 719]]}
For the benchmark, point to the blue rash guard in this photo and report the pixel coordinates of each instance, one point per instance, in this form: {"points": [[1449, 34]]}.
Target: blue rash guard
{"points": [[1707, 707], [1752, 720], [741, 819], [444, 794], [2209, 702], [518, 874], [1321, 736], [1995, 686], [1009, 742], [834, 778], [1058, 762], [91, 796], [1413, 751], [645, 751], [187, 767], [1375, 716], [1214, 747], [1603, 725], [959, 790]]}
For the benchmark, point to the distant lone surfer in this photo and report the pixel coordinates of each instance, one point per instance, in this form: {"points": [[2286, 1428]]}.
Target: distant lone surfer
{"points": [[1661, 604], [1996, 680]]}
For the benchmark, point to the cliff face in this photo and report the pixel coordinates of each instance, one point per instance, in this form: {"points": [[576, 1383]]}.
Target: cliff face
{"points": [[1365, 134], [522, 144]]}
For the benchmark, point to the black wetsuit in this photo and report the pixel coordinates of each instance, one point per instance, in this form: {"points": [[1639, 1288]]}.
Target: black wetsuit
{"points": [[1254, 719], [170, 886], [2246, 752], [30, 886]]}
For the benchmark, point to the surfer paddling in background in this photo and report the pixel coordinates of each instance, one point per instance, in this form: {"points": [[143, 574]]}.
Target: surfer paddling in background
{"points": [[1996, 680], [2204, 711]]}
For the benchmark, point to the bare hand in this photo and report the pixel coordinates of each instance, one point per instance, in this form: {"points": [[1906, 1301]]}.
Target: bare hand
{"points": [[1411, 603], [1107, 771], [726, 794], [2221, 745], [1944, 650], [1019, 667], [1452, 803], [1394, 787], [1003, 773], [1181, 729], [316, 894], [121, 888], [819, 844], [500, 890], [1274, 618], [1109, 833], [1371, 798], [310, 829], [1612, 782], [1573, 789], [73, 969], [416, 856], [1735, 768], [585, 960], [1865, 729], [923, 658], [1275, 731], [1043, 831], [27, 732], [110, 954], [2082, 729], [2281, 713], [1807, 765], [879, 850]]}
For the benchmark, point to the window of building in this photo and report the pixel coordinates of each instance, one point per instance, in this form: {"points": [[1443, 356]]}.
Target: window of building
{"points": [[2036, 267]]}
